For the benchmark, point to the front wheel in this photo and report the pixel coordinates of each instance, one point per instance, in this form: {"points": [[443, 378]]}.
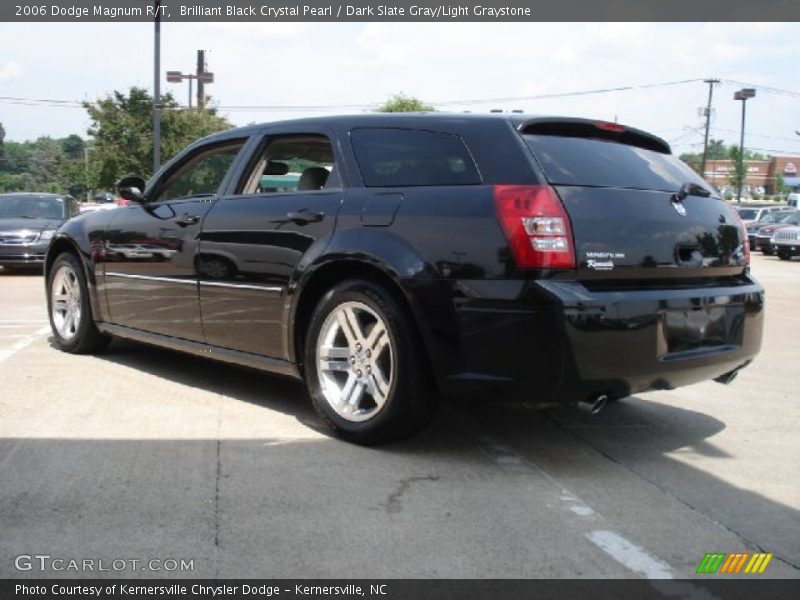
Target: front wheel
{"points": [[365, 365], [784, 256], [69, 309]]}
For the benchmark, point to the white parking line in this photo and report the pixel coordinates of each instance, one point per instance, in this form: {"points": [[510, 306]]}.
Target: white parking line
{"points": [[22, 343], [630, 555]]}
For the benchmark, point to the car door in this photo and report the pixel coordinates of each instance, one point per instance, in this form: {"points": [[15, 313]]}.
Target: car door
{"points": [[252, 241], [150, 274]]}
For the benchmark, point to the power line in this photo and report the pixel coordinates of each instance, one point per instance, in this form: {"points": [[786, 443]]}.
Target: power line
{"points": [[764, 88], [367, 106]]}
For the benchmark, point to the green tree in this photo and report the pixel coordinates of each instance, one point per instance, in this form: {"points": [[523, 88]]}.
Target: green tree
{"points": [[780, 183], [121, 128], [401, 103], [716, 149], [2, 146], [73, 147]]}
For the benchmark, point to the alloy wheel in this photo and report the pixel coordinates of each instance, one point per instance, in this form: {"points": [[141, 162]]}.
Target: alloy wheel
{"points": [[355, 361]]}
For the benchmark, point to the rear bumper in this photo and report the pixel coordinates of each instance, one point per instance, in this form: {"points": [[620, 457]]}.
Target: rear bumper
{"points": [[559, 342]]}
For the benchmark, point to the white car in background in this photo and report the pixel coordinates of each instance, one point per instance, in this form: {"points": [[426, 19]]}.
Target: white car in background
{"points": [[786, 242]]}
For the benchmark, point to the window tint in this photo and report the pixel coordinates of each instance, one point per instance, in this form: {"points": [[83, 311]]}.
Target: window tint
{"points": [[400, 157], [201, 174], [293, 163], [591, 162]]}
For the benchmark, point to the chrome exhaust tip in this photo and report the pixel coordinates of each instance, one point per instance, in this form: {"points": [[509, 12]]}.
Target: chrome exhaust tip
{"points": [[593, 405]]}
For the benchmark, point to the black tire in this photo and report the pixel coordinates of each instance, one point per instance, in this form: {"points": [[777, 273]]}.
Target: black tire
{"points": [[87, 337], [767, 251], [784, 256], [410, 402]]}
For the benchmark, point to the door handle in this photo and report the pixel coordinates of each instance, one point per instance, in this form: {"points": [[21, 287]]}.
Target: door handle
{"points": [[302, 217], [187, 219]]}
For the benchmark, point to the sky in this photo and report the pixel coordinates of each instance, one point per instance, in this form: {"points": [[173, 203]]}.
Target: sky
{"points": [[350, 66]]}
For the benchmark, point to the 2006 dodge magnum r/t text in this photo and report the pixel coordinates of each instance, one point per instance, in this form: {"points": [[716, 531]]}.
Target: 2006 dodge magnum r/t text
{"points": [[388, 259]]}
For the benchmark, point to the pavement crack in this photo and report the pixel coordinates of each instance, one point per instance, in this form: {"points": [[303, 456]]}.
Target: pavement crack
{"points": [[698, 511], [393, 502]]}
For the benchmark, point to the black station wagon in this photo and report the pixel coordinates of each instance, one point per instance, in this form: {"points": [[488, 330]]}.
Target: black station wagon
{"points": [[391, 259]]}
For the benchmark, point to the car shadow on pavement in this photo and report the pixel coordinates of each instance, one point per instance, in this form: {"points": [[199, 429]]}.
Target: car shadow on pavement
{"points": [[634, 440]]}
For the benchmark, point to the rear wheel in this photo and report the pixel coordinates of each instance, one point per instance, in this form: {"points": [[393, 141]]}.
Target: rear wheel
{"points": [[69, 308], [365, 367]]}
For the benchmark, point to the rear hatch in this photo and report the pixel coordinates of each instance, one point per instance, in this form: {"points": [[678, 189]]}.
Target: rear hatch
{"points": [[618, 186]]}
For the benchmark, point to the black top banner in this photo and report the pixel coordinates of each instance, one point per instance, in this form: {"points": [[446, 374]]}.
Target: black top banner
{"points": [[398, 10]]}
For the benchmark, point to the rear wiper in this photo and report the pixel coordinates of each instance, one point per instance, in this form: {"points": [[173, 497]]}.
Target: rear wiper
{"points": [[690, 189]]}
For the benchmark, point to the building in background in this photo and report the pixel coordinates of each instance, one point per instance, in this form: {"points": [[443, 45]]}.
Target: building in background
{"points": [[760, 174]]}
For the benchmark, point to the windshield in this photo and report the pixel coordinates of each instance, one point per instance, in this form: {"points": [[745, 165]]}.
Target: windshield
{"points": [[792, 218], [747, 214], [31, 207]]}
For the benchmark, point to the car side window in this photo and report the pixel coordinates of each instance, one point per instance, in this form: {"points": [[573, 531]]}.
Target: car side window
{"points": [[407, 157], [292, 163], [201, 174]]}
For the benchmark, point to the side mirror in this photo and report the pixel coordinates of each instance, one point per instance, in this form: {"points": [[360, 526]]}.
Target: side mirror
{"points": [[132, 189]]}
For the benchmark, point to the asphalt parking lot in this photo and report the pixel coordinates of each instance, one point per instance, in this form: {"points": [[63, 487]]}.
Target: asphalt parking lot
{"points": [[143, 454]]}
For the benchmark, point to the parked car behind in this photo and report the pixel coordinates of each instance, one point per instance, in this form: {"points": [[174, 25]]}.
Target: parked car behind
{"points": [[786, 242], [765, 233], [753, 214], [27, 223], [552, 260], [766, 218]]}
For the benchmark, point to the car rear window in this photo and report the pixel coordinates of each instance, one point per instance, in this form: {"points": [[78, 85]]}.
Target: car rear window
{"points": [[748, 214], [405, 157], [601, 163]]}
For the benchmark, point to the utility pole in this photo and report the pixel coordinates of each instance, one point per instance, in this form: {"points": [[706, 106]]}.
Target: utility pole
{"points": [[707, 113], [201, 88], [157, 90]]}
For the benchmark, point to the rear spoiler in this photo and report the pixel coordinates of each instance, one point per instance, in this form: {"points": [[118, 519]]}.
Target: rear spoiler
{"points": [[587, 128]]}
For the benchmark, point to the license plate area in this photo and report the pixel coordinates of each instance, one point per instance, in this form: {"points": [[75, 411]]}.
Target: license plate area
{"points": [[709, 328]]}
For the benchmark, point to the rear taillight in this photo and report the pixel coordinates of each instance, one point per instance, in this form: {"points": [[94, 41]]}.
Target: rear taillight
{"points": [[745, 238], [536, 226]]}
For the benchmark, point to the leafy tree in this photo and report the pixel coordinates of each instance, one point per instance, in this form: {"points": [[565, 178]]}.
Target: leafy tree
{"points": [[716, 150], [780, 183], [2, 144], [401, 103], [121, 128], [73, 147], [737, 177]]}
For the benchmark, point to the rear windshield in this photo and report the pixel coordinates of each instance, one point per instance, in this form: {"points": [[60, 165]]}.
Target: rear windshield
{"points": [[747, 214], [406, 157], [591, 162]]}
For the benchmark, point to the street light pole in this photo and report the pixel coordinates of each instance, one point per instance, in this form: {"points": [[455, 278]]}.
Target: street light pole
{"points": [[157, 90], [744, 95]]}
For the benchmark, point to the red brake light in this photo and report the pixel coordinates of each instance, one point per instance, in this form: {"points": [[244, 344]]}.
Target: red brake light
{"points": [[536, 226], [745, 237], [606, 126]]}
